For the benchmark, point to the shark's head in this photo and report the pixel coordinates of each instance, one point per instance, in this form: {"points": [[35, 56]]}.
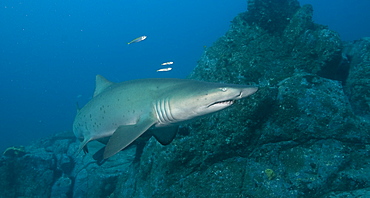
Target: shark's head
{"points": [[202, 98]]}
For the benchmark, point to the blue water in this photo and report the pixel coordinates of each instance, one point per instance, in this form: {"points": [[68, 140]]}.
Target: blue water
{"points": [[349, 18], [50, 51]]}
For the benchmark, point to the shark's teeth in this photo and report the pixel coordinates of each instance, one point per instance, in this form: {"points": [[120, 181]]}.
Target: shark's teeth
{"points": [[225, 102]]}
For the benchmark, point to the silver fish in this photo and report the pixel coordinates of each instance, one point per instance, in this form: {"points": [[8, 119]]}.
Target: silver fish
{"points": [[138, 39]]}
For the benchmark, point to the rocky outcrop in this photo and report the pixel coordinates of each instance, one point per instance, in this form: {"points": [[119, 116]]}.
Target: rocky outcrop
{"points": [[357, 55], [52, 168], [250, 53], [303, 134]]}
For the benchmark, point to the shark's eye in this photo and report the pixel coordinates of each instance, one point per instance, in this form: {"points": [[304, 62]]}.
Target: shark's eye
{"points": [[223, 89]]}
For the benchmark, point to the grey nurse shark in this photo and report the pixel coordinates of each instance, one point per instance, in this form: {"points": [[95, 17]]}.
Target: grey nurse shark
{"points": [[124, 111]]}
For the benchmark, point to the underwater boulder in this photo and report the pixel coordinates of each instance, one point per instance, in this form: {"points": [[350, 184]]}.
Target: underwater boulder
{"points": [[358, 83], [15, 151]]}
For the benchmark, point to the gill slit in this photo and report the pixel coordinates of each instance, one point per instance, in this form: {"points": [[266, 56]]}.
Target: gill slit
{"points": [[163, 111]]}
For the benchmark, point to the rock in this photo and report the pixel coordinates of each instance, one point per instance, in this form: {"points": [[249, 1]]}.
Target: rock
{"points": [[19, 175], [358, 82], [14, 152], [62, 187], [248, 53], [355, 193], [307, 106], [59, 172], [272, 16], [94, 180]]}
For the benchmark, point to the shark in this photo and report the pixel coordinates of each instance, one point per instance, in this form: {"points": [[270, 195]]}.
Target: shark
{"points": [[119, 113]]}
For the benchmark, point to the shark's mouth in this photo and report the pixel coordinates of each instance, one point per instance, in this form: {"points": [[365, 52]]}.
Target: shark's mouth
{"points": [[222, 103]]}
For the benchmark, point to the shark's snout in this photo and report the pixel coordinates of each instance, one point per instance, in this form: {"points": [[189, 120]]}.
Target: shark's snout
{"points": [[248, 91]]}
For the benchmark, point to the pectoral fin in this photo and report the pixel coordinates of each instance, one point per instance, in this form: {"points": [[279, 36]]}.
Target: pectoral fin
{"points": [[165, 135], [125, 135]]}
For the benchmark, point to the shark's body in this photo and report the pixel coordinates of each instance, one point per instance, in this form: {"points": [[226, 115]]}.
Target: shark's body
{"points": [[124, 111]]}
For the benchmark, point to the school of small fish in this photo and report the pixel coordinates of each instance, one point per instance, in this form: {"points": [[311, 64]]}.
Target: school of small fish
{"points": [[141, 38]]}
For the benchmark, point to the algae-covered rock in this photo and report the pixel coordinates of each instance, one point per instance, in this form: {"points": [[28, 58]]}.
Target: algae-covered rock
{"points": [[52, 168], [272, 16], [248, 53], [31, 175], [92, 179], [62, 188], [310, 107], [358, 82], [15, 151]]}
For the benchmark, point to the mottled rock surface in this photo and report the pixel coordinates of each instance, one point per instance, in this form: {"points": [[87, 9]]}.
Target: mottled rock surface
{"points": [[357, 54], [305, 133], [52, 168]]}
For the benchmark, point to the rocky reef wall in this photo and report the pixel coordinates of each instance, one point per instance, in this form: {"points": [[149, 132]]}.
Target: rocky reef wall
{"points": [[305, 133]]}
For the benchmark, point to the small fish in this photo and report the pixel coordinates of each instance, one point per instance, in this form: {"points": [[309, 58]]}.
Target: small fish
{"points": [[138, 39], [165, 69], [167, 63]]}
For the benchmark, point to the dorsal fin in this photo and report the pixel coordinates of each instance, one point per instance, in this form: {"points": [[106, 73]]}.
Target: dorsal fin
{"points": [[101, 84]]}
